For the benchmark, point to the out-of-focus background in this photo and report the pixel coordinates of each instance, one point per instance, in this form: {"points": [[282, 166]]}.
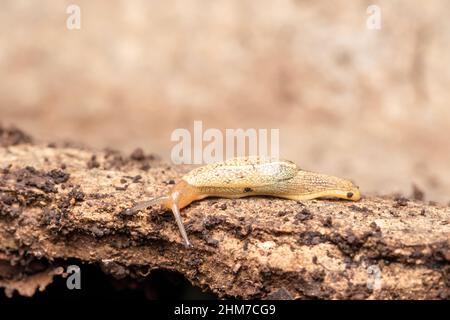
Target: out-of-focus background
{"points": [[371, 105]]}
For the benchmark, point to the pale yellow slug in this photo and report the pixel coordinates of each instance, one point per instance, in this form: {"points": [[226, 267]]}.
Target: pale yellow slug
{"points": [[251, 176]]}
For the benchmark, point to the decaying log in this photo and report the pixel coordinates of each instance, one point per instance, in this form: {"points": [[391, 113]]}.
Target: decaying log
{"points": [[59, 203]]}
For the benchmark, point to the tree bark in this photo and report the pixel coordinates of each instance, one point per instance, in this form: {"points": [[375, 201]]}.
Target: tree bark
{"points": [[59, 203]]}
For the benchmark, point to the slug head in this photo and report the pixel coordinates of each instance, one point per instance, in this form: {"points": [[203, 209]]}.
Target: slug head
{"points": [[180, 196]]}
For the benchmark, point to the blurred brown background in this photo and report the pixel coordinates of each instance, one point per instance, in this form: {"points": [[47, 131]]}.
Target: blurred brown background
{"points": [[365, 104]]}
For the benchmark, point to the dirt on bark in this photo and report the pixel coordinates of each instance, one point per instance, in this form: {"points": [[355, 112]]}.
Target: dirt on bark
{"points": [[60, 203]]}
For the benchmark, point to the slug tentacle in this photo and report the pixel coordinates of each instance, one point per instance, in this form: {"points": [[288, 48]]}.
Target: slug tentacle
{"points": [[145, 204], [177, 215], [172, 202]]}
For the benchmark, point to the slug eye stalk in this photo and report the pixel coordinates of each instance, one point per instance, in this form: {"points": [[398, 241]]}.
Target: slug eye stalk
{"points": [[145, 204], [175, 210]]}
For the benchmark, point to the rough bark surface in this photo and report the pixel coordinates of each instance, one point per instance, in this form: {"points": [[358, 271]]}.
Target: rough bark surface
{"points": [[59, 203]]}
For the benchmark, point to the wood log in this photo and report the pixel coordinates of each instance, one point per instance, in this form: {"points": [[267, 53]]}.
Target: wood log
{"points": [[59, 203]]}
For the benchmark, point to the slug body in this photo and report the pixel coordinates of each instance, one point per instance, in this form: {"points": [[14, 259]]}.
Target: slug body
{"points": [[251, 176]]}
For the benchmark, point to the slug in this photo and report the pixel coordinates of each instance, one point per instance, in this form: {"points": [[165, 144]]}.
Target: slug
{"points": [[250, 176]]}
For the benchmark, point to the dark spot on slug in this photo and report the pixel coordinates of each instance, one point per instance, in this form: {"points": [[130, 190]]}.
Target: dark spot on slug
{"points": [[248, 189], [282, 213], [349, 194]]}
